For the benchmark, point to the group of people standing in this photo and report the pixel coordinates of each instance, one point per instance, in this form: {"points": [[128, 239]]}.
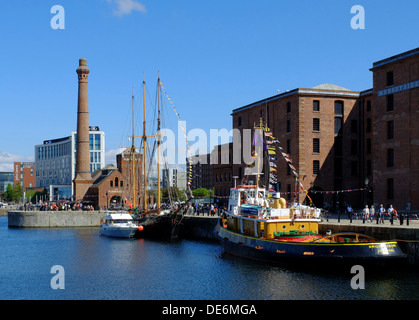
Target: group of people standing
{"points": [[53, 206], [210, 210], [369, 213]]}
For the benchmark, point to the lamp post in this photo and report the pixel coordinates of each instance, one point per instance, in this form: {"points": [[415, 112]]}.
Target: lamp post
{"points": [[235, 181]]}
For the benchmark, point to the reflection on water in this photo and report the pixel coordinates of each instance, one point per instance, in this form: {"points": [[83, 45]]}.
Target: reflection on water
{"points": [[98, 267]]}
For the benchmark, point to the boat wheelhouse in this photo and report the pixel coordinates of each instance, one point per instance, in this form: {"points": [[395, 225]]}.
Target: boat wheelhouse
{"points": [[255, 212]]}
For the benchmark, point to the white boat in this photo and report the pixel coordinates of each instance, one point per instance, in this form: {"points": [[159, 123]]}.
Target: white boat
{"points": [[118, 225]]}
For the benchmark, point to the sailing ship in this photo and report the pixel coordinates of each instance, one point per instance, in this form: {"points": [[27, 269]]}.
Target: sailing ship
{"points": [[258, 224], [156, 222]]}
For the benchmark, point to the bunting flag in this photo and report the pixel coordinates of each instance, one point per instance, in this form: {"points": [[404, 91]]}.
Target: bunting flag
{"points": [[286, 156], [337, 191], [270, 143], [184, 133], [129, 203]]}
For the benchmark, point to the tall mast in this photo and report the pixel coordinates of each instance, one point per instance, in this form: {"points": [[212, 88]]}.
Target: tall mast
{"points": [[133, 153], [145, 150], [158, 147]]}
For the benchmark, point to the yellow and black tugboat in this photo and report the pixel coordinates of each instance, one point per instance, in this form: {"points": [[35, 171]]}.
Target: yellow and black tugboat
{"points": [[258, 224], [267, 230]]}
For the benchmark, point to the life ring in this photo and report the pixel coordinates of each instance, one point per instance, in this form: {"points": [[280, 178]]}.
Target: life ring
{"points": [[224, 221]]}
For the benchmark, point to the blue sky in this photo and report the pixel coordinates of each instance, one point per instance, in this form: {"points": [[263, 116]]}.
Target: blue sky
{"points": [[213, 56]]}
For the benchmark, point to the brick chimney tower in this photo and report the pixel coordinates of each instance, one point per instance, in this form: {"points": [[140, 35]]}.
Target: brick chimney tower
{"points": [[83, 178]]}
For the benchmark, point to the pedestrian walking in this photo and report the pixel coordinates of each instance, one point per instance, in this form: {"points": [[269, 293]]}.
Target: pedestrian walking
{"points": [[382, 213], [372, 213], [211, 210], [390, 212], [365, 214], [350, 212]]}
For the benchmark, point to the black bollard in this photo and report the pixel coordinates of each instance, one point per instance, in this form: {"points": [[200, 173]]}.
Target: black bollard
{"points": [[407, 219], [401, 218]]}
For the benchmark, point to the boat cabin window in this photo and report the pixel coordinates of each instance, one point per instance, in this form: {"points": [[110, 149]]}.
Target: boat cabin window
{"points": [[243, 196], [234, 194], [252, 193]]}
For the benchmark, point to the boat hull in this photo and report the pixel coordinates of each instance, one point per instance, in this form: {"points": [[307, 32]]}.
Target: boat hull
{"points": [[278, 251], [163, 227], [117, 231]]}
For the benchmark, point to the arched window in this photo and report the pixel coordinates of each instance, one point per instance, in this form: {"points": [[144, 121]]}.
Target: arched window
{"points": [[116, 182]]}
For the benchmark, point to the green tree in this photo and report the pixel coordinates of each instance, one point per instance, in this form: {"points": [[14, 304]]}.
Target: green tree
{"points": [[201, 193], [17, 192], [13, 193], [175, 194], [32, 195], [8, 194]]}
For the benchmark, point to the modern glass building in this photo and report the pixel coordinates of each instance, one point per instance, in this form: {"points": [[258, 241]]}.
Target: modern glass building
{"points": [[97, 149], [6, 178], [55, 162]]}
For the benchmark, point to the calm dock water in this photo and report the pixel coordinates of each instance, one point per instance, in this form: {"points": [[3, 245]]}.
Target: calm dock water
{"points": [[99, 268]]}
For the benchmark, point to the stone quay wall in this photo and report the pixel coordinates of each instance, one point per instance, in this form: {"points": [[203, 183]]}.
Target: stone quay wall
{"points": [[199, 227], [54, 219]]}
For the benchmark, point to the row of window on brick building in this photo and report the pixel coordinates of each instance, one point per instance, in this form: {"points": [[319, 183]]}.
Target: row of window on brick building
{"points": [[338, 125], [339, 111], [223, 177]]}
